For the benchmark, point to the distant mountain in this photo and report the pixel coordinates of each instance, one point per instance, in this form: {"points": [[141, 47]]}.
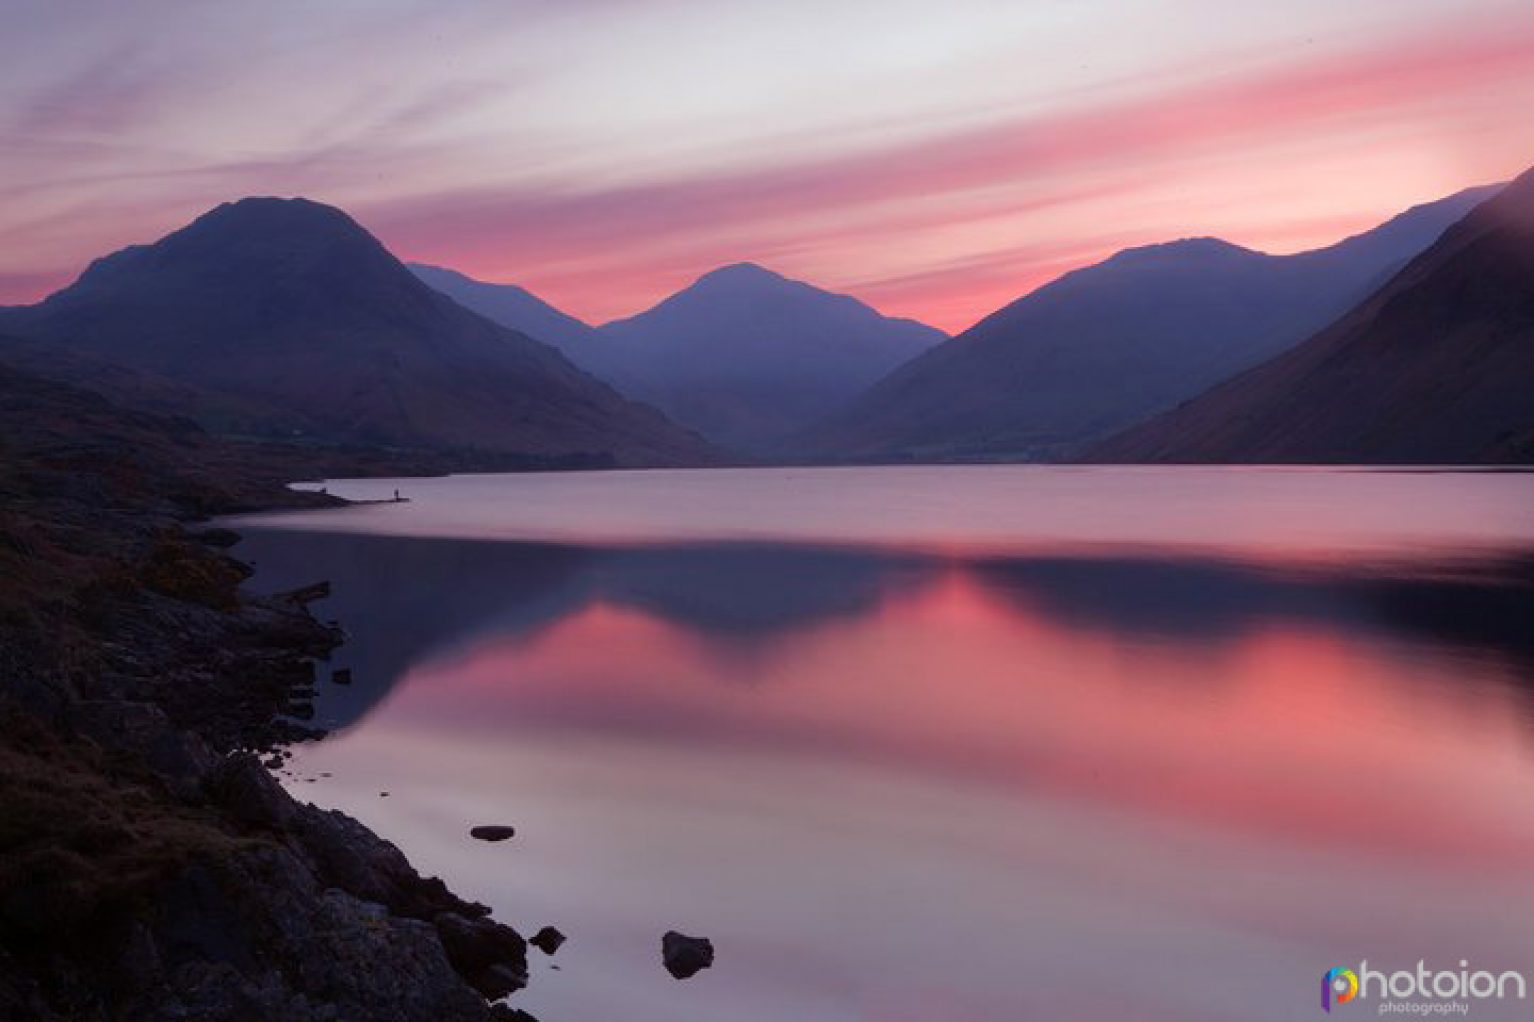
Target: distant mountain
{"points": [[1109, 345], [1435, 367], [746, 356], [290, 307], [514, 307]]}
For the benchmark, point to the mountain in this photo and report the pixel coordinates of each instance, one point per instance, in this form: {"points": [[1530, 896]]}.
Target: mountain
{"points": [[744, 355], [514, 307], [1435, 367], [1112, 344], [290, 307]]}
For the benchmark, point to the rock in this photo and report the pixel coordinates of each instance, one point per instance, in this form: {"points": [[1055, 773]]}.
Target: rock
{"points": [[241, 786], [491, 956], [341, 675], [305, 595], [502, 1013], [351, 857], [158, 879], [547, 940], [296, 949], [685, 956], [493, 833], [499, 981], [222, 539]]}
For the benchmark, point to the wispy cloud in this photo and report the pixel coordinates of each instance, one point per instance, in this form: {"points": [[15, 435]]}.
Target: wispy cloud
{"points": [[584, 244], [603, 162]]}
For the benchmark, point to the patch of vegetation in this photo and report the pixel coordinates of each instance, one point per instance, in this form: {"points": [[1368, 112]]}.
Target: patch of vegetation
{"points": [[86, 838]]}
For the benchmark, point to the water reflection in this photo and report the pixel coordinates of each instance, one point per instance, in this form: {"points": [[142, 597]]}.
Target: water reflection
{"points": [[408, 601], [907, 782]]}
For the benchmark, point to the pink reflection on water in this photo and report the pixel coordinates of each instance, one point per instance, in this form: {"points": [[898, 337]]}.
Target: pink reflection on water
{"points": [[909, 783], [1294, 734], [952, 806]]}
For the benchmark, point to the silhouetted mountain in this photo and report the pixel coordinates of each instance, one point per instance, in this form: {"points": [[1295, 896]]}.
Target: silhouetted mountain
{"points": [[1109, 345], [290, 306], [745, 356], [514, 307], [1435, 367]]}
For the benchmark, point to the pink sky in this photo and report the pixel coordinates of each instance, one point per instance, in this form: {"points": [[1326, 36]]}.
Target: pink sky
{"points": [[936, 161]]}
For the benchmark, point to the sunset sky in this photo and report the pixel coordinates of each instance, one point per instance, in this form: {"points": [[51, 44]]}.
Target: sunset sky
{"points": [[934, 159]]}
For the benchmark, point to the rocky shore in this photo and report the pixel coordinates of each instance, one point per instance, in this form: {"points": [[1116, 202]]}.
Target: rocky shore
{"points": [[150, 866]]}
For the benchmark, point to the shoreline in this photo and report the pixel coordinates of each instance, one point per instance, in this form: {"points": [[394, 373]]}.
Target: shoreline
{"points": [[151, 867]]}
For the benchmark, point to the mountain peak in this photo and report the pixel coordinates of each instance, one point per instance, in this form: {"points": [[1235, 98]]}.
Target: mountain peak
{"points": [[306, 244], [1183, 249], [1433, 367], [740, 272], [292, 220], [745, 355], [275, 205], [739, 278], [1107, 345], [286, 314]]}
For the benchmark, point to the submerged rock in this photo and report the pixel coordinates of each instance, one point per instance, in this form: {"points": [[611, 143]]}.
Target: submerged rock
{"points": [[685, 956], [547, 940], [341, 675], [493, 832]]}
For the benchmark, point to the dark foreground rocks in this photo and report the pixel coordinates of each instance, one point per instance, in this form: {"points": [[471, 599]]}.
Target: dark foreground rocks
{"points": [[150, 866], [685, 956]]}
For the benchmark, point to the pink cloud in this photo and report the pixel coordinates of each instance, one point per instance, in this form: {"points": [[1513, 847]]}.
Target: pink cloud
{"points": [[605, 253], [946, 228], [22, 288]]}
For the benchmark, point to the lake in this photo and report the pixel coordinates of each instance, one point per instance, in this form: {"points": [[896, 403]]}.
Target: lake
{"points": [[968, 743]]}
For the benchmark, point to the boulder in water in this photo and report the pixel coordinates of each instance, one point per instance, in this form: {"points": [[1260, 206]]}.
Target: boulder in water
{"points": [[547, 940], [493, 832], [685, 956]]}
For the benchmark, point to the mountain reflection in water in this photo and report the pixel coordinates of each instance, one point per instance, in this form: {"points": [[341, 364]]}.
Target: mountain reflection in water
{"points": [[406, 601], [1050, 778]]}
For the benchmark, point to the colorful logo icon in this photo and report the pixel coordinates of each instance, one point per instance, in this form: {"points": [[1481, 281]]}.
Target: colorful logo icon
{"points": [[1339, 985]]}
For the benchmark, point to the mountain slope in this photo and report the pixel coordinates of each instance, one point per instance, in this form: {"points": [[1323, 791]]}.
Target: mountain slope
{"points": [[290, 306], [1114, 343], [1435, 367], [744, 355], [513, 307]]}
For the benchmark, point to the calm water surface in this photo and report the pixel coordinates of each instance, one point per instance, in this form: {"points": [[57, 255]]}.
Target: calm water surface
{"points": [[946, 743]]}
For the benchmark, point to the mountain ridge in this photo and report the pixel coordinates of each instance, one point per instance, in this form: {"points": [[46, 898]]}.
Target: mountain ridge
{"points": [[1434, 367], [292, 305], [798, 349], [1107, 345], [513, 307], [746, 355]]}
